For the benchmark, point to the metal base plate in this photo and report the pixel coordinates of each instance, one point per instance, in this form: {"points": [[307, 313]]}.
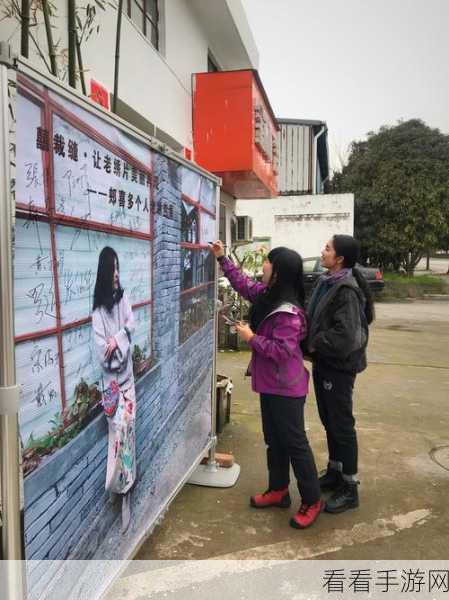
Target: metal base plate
{"points": [[212, 475]]}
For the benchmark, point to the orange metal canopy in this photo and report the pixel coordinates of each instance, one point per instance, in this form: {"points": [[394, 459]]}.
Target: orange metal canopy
{"points": [[235, 132]]}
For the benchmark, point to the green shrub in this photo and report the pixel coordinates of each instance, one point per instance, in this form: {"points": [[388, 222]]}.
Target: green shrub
{"points": [[417, 280], [401, 286]]}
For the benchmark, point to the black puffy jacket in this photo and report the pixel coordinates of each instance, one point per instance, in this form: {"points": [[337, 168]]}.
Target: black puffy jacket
{"points": [[338, 328]]}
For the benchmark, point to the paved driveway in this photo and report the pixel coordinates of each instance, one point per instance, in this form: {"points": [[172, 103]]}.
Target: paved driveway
{"points": [[403, 424]]}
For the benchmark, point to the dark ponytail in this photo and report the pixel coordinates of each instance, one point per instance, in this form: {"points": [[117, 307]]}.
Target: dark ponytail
{"points": [[349, 248], [363, 285]]}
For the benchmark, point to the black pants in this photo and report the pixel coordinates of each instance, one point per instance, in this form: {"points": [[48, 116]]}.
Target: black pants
{"points": [[286, 440], [333, 391]]}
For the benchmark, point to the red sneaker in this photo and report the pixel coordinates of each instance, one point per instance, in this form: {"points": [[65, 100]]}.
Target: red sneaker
{"points": [[306, 515], [280, 498]]}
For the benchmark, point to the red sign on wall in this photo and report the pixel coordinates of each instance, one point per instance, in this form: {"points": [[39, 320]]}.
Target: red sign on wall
{"points": [[99, 94]]}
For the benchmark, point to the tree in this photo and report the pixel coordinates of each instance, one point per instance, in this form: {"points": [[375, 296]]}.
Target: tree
{"points": [[250, 259], [34, 15], [400, 180]]}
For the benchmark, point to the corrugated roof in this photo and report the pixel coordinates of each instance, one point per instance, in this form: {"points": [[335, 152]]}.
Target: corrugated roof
{"points": [[322, 149]]}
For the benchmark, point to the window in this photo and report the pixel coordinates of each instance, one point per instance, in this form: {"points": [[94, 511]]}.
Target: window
{"points": [[198, 223], [189, 223], [309, 265], [145, 15]]}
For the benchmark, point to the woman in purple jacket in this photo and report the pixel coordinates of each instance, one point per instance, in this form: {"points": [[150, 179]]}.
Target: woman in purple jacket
{"points": [[277, 324]]}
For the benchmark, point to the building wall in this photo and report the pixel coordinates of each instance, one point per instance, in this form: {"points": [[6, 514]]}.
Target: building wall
{"points": [[303, 223], [149, 83], [156, 84]]}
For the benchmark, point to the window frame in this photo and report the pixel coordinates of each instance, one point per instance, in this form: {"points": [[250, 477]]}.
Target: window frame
{"points": [[206, 286], [147, 31], [197, 245]]}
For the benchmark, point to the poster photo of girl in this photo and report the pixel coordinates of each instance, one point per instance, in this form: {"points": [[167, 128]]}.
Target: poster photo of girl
{"points": [[113, 325]]}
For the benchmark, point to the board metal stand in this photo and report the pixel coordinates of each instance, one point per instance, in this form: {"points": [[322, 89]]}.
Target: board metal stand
{"points": [[211, 474]]}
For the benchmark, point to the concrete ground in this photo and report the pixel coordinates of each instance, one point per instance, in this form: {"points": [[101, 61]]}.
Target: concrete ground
{"points": [[401, 407], [438, 266]]}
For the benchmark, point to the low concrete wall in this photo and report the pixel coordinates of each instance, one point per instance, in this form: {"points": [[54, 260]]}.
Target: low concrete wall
{"points": [[303, 223]]}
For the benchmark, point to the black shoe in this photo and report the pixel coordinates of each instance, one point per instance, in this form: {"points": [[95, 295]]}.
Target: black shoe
{"points": [[346, 497], [330, 480]]}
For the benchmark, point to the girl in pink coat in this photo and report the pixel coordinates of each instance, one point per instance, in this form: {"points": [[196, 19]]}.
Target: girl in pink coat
{"points": [[276, 327]]}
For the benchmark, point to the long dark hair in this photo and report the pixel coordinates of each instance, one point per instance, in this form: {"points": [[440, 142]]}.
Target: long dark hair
{"points": [[286, 285], [104, 294], [349, 248]]}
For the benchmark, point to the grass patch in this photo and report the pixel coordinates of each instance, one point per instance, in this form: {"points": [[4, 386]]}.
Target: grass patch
{"points": [[419, 280], [399, 286]]}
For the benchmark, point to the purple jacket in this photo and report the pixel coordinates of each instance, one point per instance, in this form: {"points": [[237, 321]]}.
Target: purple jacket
{"points": [[277, 365]]}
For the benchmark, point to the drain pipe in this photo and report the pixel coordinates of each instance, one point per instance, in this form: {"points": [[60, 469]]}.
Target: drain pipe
{"points": [[25, 29], [315, 156], [117, 54]]}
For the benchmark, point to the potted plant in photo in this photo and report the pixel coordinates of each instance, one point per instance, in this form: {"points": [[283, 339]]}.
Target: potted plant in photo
{"points": [[140, 362], [64, 427]]}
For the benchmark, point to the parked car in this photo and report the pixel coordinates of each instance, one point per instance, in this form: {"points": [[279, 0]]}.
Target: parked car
{"points": [[313, 269]]}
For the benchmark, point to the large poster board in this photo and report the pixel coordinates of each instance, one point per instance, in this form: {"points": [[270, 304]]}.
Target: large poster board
{"points": [[114, 286]]}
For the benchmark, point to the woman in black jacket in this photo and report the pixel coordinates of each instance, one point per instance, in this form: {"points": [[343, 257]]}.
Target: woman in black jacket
{"points": [[339, 312]]}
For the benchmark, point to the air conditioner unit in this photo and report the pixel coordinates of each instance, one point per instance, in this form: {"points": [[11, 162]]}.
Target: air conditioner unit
{"points": [[243, 230]]}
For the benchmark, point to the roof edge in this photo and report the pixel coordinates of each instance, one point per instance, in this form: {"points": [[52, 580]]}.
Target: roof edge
{"points": [[310, 122]]}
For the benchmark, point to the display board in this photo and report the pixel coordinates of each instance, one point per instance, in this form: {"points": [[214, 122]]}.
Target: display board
{"points": [[114, 285]]}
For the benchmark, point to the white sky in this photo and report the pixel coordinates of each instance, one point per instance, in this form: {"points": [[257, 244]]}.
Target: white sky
{"points": [[356, 64]]}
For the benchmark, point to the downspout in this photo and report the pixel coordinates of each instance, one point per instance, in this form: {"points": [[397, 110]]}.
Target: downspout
{"points": [[25, 29], [117, 55], [315, 156], [328, 166]]}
